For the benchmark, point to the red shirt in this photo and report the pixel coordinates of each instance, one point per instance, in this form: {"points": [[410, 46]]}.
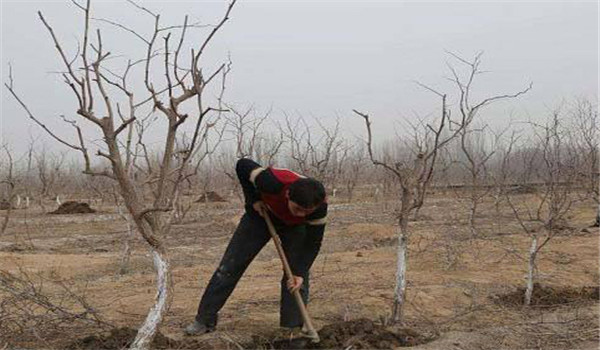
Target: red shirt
{"points": [[278, 202]]}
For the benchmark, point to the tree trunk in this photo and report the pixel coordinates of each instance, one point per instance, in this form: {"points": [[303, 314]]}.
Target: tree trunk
{"points": [[125, 257], [400, 290], [6, 218], [148, 226], [126, 249], [531, 271], [148, 329], [472, 211]]}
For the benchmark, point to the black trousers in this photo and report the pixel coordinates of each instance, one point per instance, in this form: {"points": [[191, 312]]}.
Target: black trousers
{"points": [[248, 239]]}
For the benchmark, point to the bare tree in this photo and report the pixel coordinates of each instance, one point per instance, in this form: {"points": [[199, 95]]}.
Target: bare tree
{"points": [[317, 154], [585, 141], [544, 218], [246, 128], [476, 155], [414, 175], [354, 169], [246, 135], [49, 168], [503, 174], [101, 92], [8, 184]]}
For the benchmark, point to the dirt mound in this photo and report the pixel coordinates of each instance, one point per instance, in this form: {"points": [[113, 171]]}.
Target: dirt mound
{"points": [[16, 247], [73, 207], [545, 296], [210, 196], [364, 334], [356, 334], [5, 205], [521, 189]]}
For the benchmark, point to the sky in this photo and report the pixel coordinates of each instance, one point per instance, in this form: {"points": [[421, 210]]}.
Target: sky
{"points": [[324, 58]]}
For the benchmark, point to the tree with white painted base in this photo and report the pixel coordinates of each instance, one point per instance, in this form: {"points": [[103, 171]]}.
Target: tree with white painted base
{"points": [[108, 100], [414, 173], [542, 217]]}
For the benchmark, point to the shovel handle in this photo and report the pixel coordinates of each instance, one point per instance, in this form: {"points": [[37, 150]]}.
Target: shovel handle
{"points": [[312, 333]]}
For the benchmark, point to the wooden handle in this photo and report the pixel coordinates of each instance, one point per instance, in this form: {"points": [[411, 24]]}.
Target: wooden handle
{"points": [[312, 333]]}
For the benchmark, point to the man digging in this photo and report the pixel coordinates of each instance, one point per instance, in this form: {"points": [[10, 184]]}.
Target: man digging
{"points": [[298, 208]]}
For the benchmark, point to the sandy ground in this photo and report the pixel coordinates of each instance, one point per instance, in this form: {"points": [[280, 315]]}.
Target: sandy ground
{"points": [[452, 277]]}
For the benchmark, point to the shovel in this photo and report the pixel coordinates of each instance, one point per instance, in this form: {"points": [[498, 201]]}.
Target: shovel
{"points": [[312, 333]]}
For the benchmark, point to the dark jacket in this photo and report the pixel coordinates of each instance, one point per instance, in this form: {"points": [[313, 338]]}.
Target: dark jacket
{"points": [[270, 184]]}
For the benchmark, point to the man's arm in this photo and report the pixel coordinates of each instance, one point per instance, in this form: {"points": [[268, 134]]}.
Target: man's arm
{"points": [[254, 180], [245, 169]]}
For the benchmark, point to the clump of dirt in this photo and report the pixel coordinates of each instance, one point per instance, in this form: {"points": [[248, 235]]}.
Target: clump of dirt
{"points": [[364, 334], [522, 189], [5, 205], [356, 334], [73, 207], [210, 196], [385, 242], [16, 247], [545, 296]]}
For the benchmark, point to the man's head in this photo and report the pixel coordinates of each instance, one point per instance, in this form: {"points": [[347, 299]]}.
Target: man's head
{"points": [[305, 195]]}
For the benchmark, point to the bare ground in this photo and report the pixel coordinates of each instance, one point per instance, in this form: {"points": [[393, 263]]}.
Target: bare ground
{"points": [[454, 279]]}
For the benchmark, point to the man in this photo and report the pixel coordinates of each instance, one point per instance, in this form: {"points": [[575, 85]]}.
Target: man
{"points": [[298, 208]]}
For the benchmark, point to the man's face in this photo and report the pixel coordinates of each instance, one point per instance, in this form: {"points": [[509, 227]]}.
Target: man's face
{"points": [[298, 210]]}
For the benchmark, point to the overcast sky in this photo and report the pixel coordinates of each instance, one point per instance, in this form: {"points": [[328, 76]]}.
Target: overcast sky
{"points": [[324, 58]]}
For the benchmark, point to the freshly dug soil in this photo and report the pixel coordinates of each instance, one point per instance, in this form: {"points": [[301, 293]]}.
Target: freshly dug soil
{"points": [[16, 247], [549, 296], [364, 334], [72, 207], [356, 334], [210, 196], [522, 189], [5, 205]]}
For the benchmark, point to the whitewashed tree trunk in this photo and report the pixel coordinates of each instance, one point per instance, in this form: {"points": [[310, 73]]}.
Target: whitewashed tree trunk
{"points": [[18, 202], [148, 329], [531, 271], [400, 289], [472, 211], [26, 202]]}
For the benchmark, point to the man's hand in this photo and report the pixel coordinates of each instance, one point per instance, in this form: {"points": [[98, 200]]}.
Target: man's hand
{"points": [[260, 207], [295, 283]]}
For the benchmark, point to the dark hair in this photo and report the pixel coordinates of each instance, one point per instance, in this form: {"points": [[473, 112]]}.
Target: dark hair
{"points": [[307, 192]]}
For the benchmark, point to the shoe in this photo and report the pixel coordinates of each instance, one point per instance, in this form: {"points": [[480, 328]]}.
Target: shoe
{"points": [[197, 328]]}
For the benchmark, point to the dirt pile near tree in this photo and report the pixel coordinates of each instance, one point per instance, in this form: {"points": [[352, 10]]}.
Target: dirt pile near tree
{"points": [[356, 334], [5, 205], [73, 207], [364, 334], [210, 196], [545, 296]]}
